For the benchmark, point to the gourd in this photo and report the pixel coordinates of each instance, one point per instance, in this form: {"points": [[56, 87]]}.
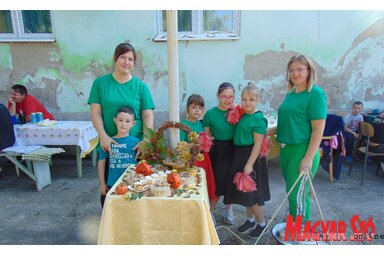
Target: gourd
{"points": [[121, 189], [143, 168], [174, 179]]}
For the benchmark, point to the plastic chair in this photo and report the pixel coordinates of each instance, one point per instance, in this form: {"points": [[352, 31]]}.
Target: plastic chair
{"points": [[367, 131]]}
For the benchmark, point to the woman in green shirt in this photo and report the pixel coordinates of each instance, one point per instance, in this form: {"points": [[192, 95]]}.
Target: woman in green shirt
{"points": [[117, 89], [300, 126]]}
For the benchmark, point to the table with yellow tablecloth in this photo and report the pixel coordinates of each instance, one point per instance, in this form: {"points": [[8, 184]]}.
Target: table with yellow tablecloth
{"points": [[158, 220]]}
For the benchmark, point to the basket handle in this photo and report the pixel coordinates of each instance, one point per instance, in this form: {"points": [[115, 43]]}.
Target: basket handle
{"points": [[172, 124]]}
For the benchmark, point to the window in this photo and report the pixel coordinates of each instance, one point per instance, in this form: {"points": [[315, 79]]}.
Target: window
{"points": [[26, 26], [201, 25]]}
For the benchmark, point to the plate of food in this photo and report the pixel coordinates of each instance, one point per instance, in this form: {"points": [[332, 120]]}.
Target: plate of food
{"points": [[138, 188]]}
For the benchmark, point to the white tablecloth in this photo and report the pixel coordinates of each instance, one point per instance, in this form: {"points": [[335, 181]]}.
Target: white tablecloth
{"points": [[63, 133]]}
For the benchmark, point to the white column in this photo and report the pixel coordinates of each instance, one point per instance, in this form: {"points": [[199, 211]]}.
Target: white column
{"points": [[173, 75]]}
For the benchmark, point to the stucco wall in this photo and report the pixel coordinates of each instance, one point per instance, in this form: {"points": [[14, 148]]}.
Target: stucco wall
{"points": [[347, 47]]}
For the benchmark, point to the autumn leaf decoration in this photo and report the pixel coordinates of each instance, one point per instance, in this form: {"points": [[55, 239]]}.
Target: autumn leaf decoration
{"points": [[153, 148]]}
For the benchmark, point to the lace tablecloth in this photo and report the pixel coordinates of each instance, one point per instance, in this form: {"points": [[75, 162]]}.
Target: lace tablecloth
{"points": [[78, 133]]}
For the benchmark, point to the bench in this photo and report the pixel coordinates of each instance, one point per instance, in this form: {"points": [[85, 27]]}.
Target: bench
{"points": [[37, 160]]}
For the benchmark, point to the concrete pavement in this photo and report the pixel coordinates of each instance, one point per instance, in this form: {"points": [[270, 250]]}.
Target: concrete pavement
{"points": [[67, 212]]}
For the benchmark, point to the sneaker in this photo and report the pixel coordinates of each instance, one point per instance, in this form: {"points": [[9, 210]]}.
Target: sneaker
{"points": [[228, 216], [246, 227], [256, 232]]}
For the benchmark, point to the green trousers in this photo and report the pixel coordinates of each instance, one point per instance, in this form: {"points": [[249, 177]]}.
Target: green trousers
{"points": [[290, 158]]}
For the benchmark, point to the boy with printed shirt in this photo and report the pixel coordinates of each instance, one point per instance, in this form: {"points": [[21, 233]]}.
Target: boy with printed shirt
{"points": [[122, 151]]}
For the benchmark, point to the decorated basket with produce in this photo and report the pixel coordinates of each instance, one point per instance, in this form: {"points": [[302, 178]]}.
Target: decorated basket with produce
{"points": [[155, 150]]}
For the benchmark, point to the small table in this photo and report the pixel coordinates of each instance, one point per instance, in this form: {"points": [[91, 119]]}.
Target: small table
{"points": [[77, 133], [158, 220]]}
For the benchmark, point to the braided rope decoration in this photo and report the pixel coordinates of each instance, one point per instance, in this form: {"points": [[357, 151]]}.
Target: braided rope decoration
{"points": [[42, 155]]}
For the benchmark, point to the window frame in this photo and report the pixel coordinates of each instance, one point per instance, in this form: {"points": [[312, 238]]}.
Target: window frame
{"points": [[198, 32], [19, 35]]}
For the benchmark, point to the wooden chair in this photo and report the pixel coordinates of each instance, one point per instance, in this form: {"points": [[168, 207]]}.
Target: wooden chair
{"points": [[367, 131]]}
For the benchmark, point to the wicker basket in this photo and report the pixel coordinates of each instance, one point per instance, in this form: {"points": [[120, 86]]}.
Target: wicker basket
{"points": [[194, 148]]}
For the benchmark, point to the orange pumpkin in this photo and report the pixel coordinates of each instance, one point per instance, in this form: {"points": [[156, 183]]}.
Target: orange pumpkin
{"points": [[121, 189], [144, 168], [174, 180]]}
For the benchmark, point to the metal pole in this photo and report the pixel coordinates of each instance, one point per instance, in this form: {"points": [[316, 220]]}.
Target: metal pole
{"points": [[173, 75]]}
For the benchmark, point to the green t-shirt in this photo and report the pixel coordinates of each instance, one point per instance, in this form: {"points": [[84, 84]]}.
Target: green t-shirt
{"points": [[249, 124], [216, 120], [195, 126], [296, 113], [112, 95]]}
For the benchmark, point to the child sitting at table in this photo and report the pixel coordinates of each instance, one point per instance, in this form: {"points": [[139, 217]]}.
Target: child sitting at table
{"points": [[195, 110], [351, 126], [122, 151]]}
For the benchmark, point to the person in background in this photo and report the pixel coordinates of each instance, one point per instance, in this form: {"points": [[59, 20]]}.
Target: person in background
{"points": [[248, 140], [20, 102], [300, 127], [123, 153], [7, 135], [195, 111], [351, 126], [215, 123]]}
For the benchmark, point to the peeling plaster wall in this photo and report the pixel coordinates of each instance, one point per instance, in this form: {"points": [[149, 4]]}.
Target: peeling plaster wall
{"points": [[346, 46]]}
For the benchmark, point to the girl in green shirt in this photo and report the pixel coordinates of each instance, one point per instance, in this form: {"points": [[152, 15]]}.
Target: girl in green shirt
{"points": [[248, 140], [221, 153], [195, 110]]}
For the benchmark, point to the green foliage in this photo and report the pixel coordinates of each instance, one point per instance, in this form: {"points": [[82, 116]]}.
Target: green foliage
{"points": [[133, 196], [152, 148], [180, 191]]}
